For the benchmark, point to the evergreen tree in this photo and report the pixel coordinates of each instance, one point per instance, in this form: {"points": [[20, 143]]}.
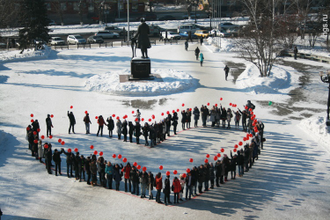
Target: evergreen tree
{"points": [[34, 14]]}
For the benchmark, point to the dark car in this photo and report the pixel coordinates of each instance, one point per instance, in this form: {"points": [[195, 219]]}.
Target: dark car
{"points": [[114, 29], [167, 18], [95, 39]]}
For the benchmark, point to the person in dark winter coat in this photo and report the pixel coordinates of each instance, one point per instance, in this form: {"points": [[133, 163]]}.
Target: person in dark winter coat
{"points": [[77, 166], [49, 125], [197, 51], [237, 118], [57, 160], [109, 171], [151, 181], [295, 51], [111, 125], [167, 190], [69, 162], [240, 162], [87, 122], [127, 170], [246, 157], [195, 174], [218, 171], [223, 116], [137, 132], [118, 125], [152, 135], [130, 131], [135, 180], [211, 175], [145, 132], [48, 158], [88, 170], [201, 178], [207, 176], [36, 127], [244, 117], [226, 166], [72, 120], [189, 185], [196, 114], [144, 183], [233, 163], [101, 170], [117, 174], [168, 124], [205, 113], [188, 118], [101, 123], [124, 130], [226, 69], [93, 169], [175, 121]]}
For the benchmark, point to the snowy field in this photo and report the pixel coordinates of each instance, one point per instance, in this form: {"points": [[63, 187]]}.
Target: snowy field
{"points": [[289, 181]]}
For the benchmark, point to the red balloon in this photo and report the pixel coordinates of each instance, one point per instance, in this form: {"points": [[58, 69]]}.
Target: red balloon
{"points": [[191, 160], [190, 109], [236, 146], [136, 119], [96, 117], [91, 147], [184, 175], [251, 135], [168, 173], [246, 107], [230, 104], [135, 164], [247, 138], [235, 150], [62, 142], [113, 115], [71, 106], [118, 118], [125, 116], [132, 112], [250, 110], [52, 116], [178, 110], [101, 153], [216, 105], [162, 114], [206, 160], [222, 150], [86, 112], [69, 150], [182, 104], [50, 136], [168, 112], [35, 141], [208, 103], [59, 140], [188, 170], [34, 133], [218, 155], [32, 120], [153, 116], [138, 167], [122, 170], [119, 156], [31, 115], [244, 138], [215, 157], [161, 167], [46, 146], [38, 130], [28, 128], [175, 172], [124, 159], [144, 169], [207, 155], [173, 111], [76, 150], [142, 119], [240, 143], [220, 99], [42, 136], [149, 119], [95, 152], [114, 155], [255, 129]]}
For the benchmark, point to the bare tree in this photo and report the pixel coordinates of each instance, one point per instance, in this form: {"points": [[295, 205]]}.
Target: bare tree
{"points": [[8, 13]]}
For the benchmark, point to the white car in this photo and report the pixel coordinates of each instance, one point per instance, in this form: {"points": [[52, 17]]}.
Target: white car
{"points": [[107, 34], [217, 33], [75, 39], [56, 41], [169, 35]]}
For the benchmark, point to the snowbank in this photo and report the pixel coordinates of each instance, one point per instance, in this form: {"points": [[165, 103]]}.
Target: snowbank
{"points": [[172, 82], [29, 54]]}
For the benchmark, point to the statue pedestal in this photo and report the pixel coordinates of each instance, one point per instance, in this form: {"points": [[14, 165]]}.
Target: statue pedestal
{"points": [[140, 68]]}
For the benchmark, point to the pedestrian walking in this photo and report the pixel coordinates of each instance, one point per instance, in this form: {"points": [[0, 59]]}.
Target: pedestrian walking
{"points": [[201, 58], [49, 125], [87, 122], [72, 121], [226, 69], [295, 51], [197, 51]]}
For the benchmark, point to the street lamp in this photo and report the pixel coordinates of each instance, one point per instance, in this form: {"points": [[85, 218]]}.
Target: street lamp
{"points": [[326, 79]]}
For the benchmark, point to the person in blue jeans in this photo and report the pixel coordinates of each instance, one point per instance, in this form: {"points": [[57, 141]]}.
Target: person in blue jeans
{"points": [[109, 172]]}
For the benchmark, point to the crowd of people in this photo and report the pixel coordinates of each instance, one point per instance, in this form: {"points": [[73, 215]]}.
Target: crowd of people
{"points": [[98, 171]]}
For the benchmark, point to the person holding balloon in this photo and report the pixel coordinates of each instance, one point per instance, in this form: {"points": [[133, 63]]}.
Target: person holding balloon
{"points": [[72, 121], [144, 183], [135, 180], [118, 125], [176, 188], [167, 189], [57, 160], [159, 186], [109, 172], [117, 174], [110, 125], [69, 162], [175, 121], [196, 114], [88, 169], [127, 170]]}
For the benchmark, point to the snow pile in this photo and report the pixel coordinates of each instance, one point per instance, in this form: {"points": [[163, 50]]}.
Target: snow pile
{"points": [[222, 44], [172, 82], [29, 54], [280, 81], [317, 128]]}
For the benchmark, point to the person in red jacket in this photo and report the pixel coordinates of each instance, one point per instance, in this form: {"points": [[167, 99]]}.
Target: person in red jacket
{"points": [[176, 187], [101, 123], [159, 186], [127, 170]]}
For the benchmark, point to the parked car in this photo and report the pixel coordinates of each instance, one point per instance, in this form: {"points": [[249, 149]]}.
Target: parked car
{"points": [[114, 29], [75, 39], [188, 28], [201, 33], [95, 39], [169, 35], [107, 34], [155, 30], [216, 33], [56, 41]]}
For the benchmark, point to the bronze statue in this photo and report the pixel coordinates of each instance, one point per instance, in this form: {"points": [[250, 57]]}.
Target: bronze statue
{"points": [[143, 38]]}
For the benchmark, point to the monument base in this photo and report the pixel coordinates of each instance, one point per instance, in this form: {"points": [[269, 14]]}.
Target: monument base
{"points": [[140, 68]]}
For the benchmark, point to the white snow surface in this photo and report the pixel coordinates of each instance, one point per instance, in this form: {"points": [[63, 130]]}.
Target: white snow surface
{"points": [[290, 180]]}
